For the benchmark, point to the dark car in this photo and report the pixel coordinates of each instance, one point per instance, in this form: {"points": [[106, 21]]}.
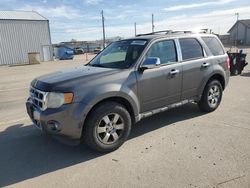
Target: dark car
{"points": [[78, 50], [97, 50]]}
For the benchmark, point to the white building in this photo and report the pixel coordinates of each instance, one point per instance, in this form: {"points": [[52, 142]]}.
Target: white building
{"points": [[23, 32]]}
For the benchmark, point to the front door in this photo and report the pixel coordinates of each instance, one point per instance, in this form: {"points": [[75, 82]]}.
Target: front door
{"points": [[161, 85]]}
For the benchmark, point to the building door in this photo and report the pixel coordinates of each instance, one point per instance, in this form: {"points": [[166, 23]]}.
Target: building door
{"points": [[46, 53]]}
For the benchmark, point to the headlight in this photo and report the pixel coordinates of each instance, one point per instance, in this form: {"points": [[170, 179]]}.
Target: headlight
{"points": [[55, 100]]}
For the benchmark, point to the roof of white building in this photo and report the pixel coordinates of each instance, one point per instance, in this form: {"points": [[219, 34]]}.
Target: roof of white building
{"points": [[21, 15]]}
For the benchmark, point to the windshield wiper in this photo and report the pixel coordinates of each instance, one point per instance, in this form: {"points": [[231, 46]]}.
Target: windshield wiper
{"points": [[96, 65]]}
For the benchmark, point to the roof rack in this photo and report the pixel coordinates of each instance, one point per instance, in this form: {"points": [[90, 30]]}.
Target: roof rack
{"points": [[187, 31], [182, 31], [156, 32], [171, 32]]}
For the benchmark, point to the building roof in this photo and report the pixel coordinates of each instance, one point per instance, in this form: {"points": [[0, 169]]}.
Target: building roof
{"points": [[21, 15], [244, 22]]}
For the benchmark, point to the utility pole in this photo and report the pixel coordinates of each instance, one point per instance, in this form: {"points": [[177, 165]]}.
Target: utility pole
{"points": [[135, 29], [153, 26], [237, 29], [103, 30]]}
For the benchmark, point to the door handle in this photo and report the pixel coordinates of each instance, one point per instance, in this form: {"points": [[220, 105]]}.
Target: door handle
{"points": [[174, 72], [204, 65]]}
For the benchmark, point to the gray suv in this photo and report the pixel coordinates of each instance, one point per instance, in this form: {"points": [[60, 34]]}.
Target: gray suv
{"points": [[129, 80]]}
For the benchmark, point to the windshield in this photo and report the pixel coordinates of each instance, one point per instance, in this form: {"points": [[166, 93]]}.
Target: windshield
{"points": [[120, 54]]}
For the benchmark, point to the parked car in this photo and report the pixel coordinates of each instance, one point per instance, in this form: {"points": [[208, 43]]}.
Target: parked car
{"points": [[97, 50], [65, 53], [78, 50], [129, 80]]}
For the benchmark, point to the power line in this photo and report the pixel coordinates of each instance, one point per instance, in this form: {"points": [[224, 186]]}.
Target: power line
{"points": [[78, 30], [97, 27], [94, 28]]}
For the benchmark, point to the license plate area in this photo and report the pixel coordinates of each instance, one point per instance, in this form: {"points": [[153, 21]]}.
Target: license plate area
{"points": [[34, 114], [30, 109]]}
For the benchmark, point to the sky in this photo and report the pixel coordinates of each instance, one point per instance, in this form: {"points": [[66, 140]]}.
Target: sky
{"points": [[81, 19]]}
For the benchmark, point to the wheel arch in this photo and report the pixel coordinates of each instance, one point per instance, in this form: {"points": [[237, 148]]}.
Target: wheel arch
{"points": [[118, 99], [131, 108], [216, 76]]}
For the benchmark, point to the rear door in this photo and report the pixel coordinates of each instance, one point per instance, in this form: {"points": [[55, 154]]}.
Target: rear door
{"points": [[196, 66], [218, 54]]}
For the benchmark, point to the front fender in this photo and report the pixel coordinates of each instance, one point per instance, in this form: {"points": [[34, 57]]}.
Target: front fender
{"points": [[108, 91]]}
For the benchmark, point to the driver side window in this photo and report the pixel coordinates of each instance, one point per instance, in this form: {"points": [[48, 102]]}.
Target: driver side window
{"points": [[165, 50]]}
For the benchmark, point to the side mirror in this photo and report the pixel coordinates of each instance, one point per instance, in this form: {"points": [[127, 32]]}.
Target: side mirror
{"points": [[150, 63]]}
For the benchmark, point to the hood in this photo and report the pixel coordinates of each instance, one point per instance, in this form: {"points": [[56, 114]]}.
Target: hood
{"points": [[66, 79]]}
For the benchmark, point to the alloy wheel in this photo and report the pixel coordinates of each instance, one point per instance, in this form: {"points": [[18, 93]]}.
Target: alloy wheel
{"points": [[214, 96], [110, 128]]}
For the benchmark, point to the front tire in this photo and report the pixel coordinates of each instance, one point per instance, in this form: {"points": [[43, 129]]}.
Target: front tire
{"points": [[107, 127], [211, 96]]}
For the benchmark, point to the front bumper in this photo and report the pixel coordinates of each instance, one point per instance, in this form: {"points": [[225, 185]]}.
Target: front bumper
{"points": [[65, 121]]}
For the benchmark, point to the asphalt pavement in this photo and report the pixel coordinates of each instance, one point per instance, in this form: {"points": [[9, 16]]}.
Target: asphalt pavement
{"points": [[178, 148]]}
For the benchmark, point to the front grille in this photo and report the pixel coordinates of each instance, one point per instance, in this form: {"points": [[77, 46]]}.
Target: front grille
{"points": [[38, 98]]}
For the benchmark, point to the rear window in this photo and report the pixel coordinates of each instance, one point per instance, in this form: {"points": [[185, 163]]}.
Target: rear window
{"points": [[213, 45], [191, 49]]}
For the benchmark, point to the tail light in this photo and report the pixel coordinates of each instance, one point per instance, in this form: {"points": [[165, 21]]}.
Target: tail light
{"points": [[228, 62]]}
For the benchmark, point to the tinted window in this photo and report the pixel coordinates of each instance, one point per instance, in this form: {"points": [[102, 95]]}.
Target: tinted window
{"points": [[213, 45], [191, 49], [165, 50]]}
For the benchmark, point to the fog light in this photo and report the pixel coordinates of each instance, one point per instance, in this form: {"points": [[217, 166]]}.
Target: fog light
{"points": [[54, 126]]}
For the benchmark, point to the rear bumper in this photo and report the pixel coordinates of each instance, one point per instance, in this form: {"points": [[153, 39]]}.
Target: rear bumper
{"points": [[66, 121]]}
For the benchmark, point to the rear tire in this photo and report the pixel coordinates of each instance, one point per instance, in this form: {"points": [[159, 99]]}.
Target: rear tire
{"points": [[107, 127], [236, 72], [211, 96]]}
